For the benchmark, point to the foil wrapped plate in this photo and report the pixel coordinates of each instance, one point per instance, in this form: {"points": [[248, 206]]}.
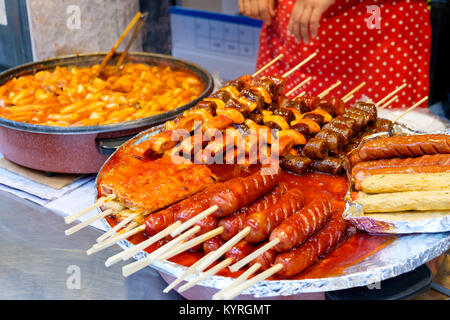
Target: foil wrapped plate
{"points": [[396, 223], [403, 254]]}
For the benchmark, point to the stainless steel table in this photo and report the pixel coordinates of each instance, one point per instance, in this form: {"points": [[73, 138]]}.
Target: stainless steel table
{"points": [[37, 261]]}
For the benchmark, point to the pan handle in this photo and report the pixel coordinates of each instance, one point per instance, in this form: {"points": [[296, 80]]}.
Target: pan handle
{"points": [[107, 146]]}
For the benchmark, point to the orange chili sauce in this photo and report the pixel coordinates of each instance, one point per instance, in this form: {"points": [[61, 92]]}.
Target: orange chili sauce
{"points": [[353, 248]]}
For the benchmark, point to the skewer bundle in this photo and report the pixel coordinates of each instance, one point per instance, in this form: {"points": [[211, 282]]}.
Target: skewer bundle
{"points": [[184, 233]]}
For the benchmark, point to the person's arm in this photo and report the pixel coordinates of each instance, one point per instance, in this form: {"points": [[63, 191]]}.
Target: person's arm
{"points": [[305, 18], [258, 9]]}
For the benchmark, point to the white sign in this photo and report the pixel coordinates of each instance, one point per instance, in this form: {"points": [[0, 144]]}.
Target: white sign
{"points": [[3, 18]]}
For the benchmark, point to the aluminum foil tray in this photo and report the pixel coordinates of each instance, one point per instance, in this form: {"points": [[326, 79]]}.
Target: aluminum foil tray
{"points": [[403, 254], [395, 225]]}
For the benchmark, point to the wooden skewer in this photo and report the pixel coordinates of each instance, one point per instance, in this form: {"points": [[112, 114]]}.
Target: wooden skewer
{"points": [[244, 276], [268, 64], [354, 90], [127, 254], [235, 267], [300, 95], [391, 94], [194, 220], [298, 86], [140, 264], [130, 226], [411, 108], [117, 44], [224, 248], [108, 243], [327, 91], [225, 263], [114, 229], [230, 294], [87, 222], [192, 269], [348, 99], [388, 103], [174, 230], [216, 254], [288, 73], [100, 201], [191, 243]]}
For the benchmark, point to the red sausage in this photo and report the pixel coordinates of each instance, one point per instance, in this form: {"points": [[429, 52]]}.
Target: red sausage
{"points": [[298, 259], [240, 250], [426, 160], [266, 259], [298, 227], [242, 191], [263, 222], [232, 224], [235, 223], [212, 244], [405, 146], [229, 196]]}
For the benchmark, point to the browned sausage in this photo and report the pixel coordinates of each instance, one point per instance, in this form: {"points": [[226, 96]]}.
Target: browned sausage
{"points": [[316, 149], [263, 222], [404, 146], [295, 163], [425, 160], [303, 256], [331, 165], [298, 227]]}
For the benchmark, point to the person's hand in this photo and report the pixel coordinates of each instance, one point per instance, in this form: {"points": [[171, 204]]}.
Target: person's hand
{"points": [[258, 9], [305, 18]]}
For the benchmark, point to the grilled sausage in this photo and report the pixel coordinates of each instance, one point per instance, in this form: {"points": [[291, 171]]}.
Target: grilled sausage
{"points": [[328, 165], [235, 223], [295, 229], [240, 250], [212, 244], [316, 148], [242, 191], [334, 144], [303, 256], [263, 222], [266, 259], [425, 160], [295, 163], [229, 196], [405, 146]]}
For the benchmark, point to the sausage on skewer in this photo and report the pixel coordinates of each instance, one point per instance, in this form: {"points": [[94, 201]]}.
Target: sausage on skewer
{"points": [[295, 229], [229, 196], [235, 223], [298, 259], [262, 223]]}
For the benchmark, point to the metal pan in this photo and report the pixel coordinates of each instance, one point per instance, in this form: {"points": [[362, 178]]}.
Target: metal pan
{"points": [[83, 149]]}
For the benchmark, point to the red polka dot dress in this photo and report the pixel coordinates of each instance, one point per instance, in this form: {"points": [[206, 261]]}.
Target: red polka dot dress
{"points": [[353, 48]]}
